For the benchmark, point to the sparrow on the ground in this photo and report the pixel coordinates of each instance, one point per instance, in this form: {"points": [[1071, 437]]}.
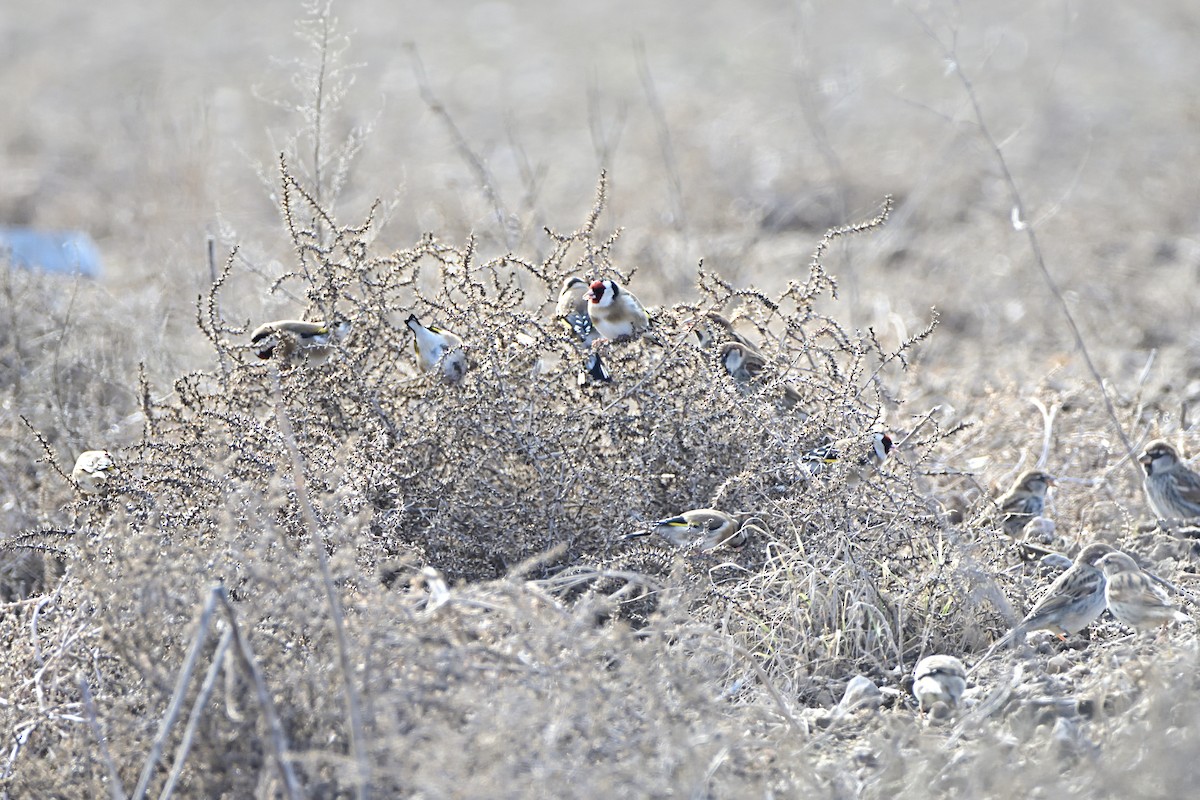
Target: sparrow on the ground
{"points": [[939, 679], [1133, 597], [1024, 501], [1172, 488], [1072, 602]]}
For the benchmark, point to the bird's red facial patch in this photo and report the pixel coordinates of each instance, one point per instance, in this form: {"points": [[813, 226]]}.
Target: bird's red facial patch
{"points": [[596, 291]]}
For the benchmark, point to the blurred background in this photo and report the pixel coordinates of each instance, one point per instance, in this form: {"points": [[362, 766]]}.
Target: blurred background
{"points": [[731, 134]]}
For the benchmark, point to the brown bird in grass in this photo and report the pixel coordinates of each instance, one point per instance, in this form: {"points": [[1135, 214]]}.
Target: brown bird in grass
{"points": [[1132, 596], [939, 679], [92, 470], [704, 528], [1074, 600], [1024, 501], [615, 311], [1172, 488], [438, 348], [299, 343], [572, 311]]}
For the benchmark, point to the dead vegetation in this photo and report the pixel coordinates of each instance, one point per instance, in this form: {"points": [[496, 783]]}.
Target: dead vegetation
{"points": [[358, 579]]}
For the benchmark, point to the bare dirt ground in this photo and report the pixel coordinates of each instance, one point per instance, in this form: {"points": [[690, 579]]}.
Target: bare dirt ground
{"points": [[424, 587]]}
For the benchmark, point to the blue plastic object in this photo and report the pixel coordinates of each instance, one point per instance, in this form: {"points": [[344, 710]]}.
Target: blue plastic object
{"points": [[66, 252]]}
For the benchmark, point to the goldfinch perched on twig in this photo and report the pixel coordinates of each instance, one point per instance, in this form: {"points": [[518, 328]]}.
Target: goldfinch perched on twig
{"points": [[92, 469], [572, 310], [438, 348], [703, 528], [615, 312], [1024, 501], [298, 343], [1172, 488], [861, 465], [1132, 596]]}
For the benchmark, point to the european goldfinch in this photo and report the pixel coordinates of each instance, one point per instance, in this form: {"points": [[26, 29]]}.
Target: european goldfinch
{"points": [[92, 469], [1172, 488], [860, 466], [436, 347], [1024, 501], [1132, 596], [703, 528], [615, 312], [939, 679], [572, 311], [298, 343]]}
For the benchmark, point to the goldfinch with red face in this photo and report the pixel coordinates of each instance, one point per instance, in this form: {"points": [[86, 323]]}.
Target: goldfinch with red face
{"points": [[298, 343], [438, 349], [572, 311], [615, 312]]}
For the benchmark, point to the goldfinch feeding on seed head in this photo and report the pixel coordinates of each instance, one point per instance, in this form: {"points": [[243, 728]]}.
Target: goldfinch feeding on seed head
{"points": [[704, 528], [939, 679], [1173, 489], [1132, 596], [615, 312], [435, 347], [1024, 501], [860, 466], [92, 469], [298, 343], [572, 310]]}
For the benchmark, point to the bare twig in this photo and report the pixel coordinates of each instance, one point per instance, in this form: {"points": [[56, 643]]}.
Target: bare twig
{"points": [[115, 789], [189, 733], [307, 511], [181, 686]]}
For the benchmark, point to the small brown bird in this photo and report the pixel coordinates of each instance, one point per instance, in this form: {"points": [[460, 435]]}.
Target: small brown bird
{"points": [[92, 469], [1132, 596], [299, 343], [615, 311], [1024, 501], [704, 528], [743, 362], [1172, 488], [720, 329], [1074, 600], [438, 348], [572, 311], [939, 679]]}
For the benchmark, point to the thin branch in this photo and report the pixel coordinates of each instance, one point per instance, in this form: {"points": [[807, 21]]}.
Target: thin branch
{"points": [[353, 710]]}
